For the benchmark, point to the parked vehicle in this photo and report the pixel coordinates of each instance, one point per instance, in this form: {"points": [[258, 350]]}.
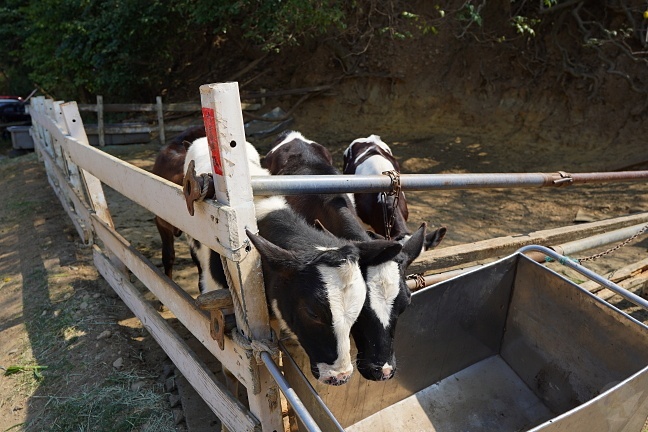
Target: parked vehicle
{"points": [[13, 110]]}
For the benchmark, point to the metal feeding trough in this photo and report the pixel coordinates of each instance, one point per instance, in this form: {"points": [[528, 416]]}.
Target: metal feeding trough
{"points": [[512, 346]]}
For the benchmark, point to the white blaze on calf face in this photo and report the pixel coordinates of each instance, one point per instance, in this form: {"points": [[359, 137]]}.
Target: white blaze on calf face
{"points": [[375, 139], [383, 284], [346, 293], [291, 136]]}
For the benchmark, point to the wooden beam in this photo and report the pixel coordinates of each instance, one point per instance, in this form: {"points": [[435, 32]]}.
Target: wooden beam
{"points": [[160, 119], [230, 411], [100, 122], [633, 284], [210, 223], [74, 125], [73, 205], [226, 135], [177, 300], [619, 275], [443, 258]]}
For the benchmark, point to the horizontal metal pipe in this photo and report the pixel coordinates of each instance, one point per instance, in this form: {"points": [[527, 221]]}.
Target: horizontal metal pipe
{"points": [[568, 248], [291, 396], [316, 398], [598, 240], [302, 184], [630, 296]]}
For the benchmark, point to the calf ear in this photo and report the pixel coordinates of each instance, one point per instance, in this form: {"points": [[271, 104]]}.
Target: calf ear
{"points": [[378, 251], [277, 257], [414, 245], [433, 239], [375, 235]]}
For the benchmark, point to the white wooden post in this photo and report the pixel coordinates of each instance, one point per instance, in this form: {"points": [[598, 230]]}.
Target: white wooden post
{"points": [[74, 125], [100, 121], [221, 106], [160, 117], [36, 129], [42, 131], [56, 146], [72, 170]]}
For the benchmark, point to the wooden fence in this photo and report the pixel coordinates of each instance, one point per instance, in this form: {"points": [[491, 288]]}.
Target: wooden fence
{"points": [[76, 171], [102, 129]]}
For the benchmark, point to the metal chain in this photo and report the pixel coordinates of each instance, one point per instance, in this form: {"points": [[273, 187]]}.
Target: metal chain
{"points": [[612, 249], [419, 279], [388, 218]]}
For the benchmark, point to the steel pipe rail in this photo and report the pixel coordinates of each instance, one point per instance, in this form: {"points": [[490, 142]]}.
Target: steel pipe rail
{"points": [[568, 248], [302, 184], [630, 296], [300, 409]]}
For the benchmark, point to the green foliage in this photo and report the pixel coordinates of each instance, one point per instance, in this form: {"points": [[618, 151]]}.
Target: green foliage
{"points": [[524, 25], [109, 47], [127, 48], [470, 14], [421, 24]]}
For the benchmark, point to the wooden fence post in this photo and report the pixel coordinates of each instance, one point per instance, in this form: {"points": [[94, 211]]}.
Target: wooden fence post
{"points": [[160, 118], [100, 122], [223, 118]]}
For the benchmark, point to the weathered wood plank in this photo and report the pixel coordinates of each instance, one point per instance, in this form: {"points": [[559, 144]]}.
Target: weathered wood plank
{"points": [[226, 135], [119, 129], [210, 223], [231, 412], [618, 275], [100, 122], [177, 300], [74, 125], [72, 170], [633, 284], [73, 205], [451, 256], [160, 119]]}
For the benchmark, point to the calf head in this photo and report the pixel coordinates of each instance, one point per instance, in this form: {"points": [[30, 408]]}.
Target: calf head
{"points": [[387, 298], [291, 147], [317, 295]]}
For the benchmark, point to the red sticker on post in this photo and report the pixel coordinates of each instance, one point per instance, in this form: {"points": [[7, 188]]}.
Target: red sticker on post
{"points": [[212, 138]]}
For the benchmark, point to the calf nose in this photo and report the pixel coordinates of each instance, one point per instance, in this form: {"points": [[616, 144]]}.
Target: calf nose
{"points": [[338, 379], [387, 372], [343, 377]]}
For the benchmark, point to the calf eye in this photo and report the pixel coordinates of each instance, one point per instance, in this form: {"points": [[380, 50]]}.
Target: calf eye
{"points": [[314, 316]]}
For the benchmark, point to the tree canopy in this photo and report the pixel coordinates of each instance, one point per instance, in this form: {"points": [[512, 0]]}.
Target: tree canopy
{"points": [[134, 49]]}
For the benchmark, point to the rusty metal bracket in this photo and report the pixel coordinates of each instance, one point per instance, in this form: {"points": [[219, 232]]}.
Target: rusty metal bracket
{"points": [[196, 188], [565, 179], [220, 306]]}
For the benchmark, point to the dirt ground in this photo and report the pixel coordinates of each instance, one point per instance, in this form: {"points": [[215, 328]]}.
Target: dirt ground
{"points": [[56, 311]]}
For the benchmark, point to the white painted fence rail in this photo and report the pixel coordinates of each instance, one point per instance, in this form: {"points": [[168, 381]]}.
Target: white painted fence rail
{"points": [[76, 172]]}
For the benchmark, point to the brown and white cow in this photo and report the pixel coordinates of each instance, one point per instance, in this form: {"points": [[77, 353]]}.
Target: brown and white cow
{"points": [[371, 156], [169, 164]]}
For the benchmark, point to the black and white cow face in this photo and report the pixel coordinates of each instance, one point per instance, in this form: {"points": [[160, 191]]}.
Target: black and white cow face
{"points": [[387, 298], [317, 297]]}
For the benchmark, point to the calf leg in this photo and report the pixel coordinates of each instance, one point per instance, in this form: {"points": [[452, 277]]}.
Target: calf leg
{"points": [[167, 234]]}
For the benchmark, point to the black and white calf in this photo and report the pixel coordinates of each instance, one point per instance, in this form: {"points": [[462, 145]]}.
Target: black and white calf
{"points": [[313, 280], [371, 156], [387, 292]]}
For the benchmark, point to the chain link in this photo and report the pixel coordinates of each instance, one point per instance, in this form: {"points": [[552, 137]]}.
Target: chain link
{"points": [[388, 217], [612, 249]]}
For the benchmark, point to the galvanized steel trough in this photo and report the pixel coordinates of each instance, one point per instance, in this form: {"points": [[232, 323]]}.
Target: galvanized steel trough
{"points": [[512, 346]]}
